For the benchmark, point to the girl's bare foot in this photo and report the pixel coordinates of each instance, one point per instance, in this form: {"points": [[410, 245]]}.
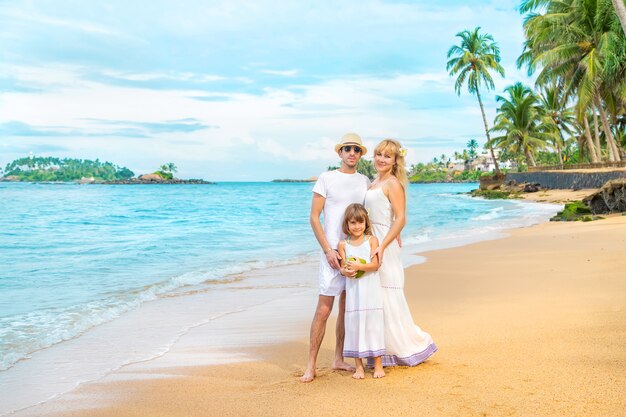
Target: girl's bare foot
{"points": [[360, 371], [378, 367], [359, 374]]}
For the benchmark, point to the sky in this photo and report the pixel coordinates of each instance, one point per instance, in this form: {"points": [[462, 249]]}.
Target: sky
{"points": [[239, 90]]}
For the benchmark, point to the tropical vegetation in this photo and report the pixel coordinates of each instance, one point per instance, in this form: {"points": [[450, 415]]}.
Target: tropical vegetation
{"points": [[166, 171], [576, 111], [67, 169]]}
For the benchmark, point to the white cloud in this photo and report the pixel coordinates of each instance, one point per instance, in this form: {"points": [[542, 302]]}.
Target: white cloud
{"points": [[281, 73]]}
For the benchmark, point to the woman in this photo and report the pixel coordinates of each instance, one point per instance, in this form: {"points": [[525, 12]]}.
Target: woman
{"points": [[406, 344]]}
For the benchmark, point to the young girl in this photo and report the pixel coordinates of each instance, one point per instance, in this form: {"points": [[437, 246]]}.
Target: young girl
{"points": [[364, 322]]}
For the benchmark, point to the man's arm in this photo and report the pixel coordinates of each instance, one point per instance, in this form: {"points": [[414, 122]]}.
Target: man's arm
{"points": [[317, 205]]}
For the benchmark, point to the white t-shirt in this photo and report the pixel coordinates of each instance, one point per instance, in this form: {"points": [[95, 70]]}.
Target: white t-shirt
{"points": [[340, 190]]}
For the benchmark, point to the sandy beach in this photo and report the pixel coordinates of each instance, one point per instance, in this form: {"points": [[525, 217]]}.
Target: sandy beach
{"points": [[530, 324]]}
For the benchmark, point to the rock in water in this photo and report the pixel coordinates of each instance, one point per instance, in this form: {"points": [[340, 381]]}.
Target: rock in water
{"points": [[610, 198]]}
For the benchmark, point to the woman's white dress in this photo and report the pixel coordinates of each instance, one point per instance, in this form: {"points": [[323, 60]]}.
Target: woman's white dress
{"points": [[405, 343], [365, 330]]}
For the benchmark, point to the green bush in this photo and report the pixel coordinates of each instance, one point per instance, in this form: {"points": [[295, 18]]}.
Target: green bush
{"points": [[574, 211]]}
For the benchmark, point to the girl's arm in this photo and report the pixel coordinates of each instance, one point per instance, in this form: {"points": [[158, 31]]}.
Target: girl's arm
{"points": [[345, 270], [370, 266], [396, 195]]}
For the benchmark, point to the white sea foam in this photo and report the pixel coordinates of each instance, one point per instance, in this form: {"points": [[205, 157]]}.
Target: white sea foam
{"points": [[492, 214]]}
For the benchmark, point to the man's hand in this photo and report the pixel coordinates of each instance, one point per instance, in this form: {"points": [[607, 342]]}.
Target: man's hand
{"points": [[333, 258]]}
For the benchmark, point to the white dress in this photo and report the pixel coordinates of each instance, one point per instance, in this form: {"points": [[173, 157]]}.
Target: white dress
{"points": [[364, 322], [406, 344]]}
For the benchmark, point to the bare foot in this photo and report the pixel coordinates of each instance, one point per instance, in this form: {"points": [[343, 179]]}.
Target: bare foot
{"points": [[308, 376], [379, 373], [342, 366], [359, 374]]}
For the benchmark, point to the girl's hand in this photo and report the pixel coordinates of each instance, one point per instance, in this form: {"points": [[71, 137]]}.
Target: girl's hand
{"points": [[348, 272], [378, 252], [353, 266]]}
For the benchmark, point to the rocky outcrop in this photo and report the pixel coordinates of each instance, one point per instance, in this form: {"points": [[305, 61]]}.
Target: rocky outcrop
{"points": [[86, 180], [566, 180], [610, 198], [151, 178], [491, 182]]}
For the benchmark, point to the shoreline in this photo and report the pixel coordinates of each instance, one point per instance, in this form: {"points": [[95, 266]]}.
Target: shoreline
{"points": [[180, 384], [507, 345]]}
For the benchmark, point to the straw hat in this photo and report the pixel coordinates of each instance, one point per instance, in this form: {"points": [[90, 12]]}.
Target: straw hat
{"points": [[351, 139]]}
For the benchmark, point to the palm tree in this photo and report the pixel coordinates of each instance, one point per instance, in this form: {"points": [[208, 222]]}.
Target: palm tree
{"points": [[473, 60], [472, 145], [620, 10], [171, 167], [575, 42], [557, 116], [520, 117]]}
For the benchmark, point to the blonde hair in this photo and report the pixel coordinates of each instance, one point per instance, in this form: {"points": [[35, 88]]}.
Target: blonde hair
{"points": [[356, 211], [393, 146]]}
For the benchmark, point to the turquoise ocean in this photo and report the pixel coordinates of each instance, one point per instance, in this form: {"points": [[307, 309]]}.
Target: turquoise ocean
{"points": [[75, 258]]}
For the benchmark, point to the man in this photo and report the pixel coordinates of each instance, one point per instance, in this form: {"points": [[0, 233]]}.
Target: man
{"points": [[332, 193]]}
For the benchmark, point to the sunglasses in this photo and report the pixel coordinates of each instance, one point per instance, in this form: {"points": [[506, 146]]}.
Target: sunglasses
{"points": [[348, 148]]}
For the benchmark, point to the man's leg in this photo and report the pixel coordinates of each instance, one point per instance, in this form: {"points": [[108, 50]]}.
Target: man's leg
{"points": [[318, 328], [338, 362]]}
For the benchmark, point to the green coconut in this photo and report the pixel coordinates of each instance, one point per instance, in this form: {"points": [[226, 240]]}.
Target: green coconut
{"points": [[359, 274]]}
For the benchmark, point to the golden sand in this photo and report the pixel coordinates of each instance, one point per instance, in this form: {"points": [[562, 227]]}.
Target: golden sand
{"points": [[533, 324]]}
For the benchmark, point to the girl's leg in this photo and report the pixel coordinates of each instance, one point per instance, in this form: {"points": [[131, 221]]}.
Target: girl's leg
{"points": [[360, 372], [378, 367]]}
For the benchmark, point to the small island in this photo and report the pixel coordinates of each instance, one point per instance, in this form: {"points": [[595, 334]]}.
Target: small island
{"points": [[85, 171]]}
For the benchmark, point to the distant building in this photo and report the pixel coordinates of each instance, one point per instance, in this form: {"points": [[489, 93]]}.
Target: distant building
{"points": [[484, 162]]}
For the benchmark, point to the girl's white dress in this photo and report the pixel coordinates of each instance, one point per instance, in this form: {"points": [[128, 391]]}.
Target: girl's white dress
{"points": [[406, 343], [365, 330]]}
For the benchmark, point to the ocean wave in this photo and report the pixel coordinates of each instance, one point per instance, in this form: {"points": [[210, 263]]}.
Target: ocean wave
{"points": [[490, 215], [22, 335]]}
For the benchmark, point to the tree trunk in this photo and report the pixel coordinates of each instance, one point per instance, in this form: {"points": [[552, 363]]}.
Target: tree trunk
{"points": [[610, 142], [482, 110], [529, 158], [596, 131], [558, 146], [620, 10], [590, 145], [617, 138]]}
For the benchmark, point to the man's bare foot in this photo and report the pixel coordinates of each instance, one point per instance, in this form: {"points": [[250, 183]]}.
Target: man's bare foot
{"points": [[379, 373], [359, 374], [342, 366], [309, 375]]}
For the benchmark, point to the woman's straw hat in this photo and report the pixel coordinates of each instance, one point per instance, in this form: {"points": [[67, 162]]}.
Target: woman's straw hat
{"points": [[351, 139]]}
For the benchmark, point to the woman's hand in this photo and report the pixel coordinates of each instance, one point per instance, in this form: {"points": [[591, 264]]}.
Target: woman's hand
{"points": [[378, 252]]}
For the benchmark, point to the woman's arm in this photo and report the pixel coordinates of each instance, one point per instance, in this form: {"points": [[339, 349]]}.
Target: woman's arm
{"points": [[396, 195]]}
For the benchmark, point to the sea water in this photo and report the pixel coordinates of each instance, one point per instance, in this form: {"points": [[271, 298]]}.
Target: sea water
{"points": [[76, 260]]}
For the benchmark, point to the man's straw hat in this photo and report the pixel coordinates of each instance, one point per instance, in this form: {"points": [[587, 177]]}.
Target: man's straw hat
{"points": [[351, 139]]}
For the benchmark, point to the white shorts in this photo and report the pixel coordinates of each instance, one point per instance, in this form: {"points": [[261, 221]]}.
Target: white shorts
{"points": [[332, 283]]}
